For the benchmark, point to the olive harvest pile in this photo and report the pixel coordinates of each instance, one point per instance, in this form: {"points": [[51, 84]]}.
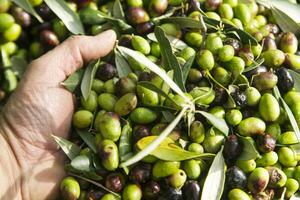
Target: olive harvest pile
{"points": [[200, 99]]}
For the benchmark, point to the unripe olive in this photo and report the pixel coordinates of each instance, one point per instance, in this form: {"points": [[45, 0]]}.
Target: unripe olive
{"points": [[12, 33], [267, 159], [213, 15], [221, 75], [277, 177], [218, 111], [193, 39], [242, 12], [212, 4], [269, 107], [202, 96], [213, 43], [10, 48], [265, 81], [226, 53], [234, 117], [115, 182], [106, 72], [288, 43], [246, 165], [192, 169], [236, 65], [172, 29], [157, 7], [151, 190], [110, 126], [292, 60], [286, 157], [4, 5], [136, 15], [232, 147], [90, 103], [196, 147], [147, 96], [226, 11], [213, 143], [273, 58], [197, 132], [238, 194], [292, 186], [97, 85], [109, 196], [108, 152], [125, 104], [258, 180], [187, 53], [164, 168], [132, 192], [82, 119], [36, 49], [205, 60], [177, 179], [6, 21], [232, 3], [253, 96], [134, 3], [292, 97], [251, 126], [142, 115], [289, 172], [288, 137], [140, 44], [109, 86], [125, 85], [234, 43], [236, 178], [70, 188]]}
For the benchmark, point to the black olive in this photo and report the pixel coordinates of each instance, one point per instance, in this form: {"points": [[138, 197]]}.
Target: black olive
{"points": [[139, 132], [236, 178], [114, 182], [194, 5], [151, 190], [239, 98], [145, 76], [125, 41], [140, 173], [171, 194], [269, 44], [95, 194], [136, 15], [191, 190], [45, 12], [234, 43], [265, 143], [285, 80], [145, 28], [232, 147], [22, 17], [220, 96], [49, 38], [106, 71], [255, 71]]}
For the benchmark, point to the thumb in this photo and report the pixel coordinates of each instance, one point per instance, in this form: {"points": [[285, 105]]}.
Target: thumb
{"points": [[66, 58]]}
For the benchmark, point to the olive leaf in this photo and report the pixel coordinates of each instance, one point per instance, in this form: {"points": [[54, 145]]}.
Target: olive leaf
{"points": [[96, 184], [217, 122], [70, 149], [159, 108], [186, 68], [88, 139], [254, 65], [296, 77], [168, 116], [92, 175], [67, 15], [154, 68], [296, 150], [118, 10], [5, 61], [295, 196], [155, 143], [249, 151], [283, 194], [87, 79], [25, 4], [169, 151], [125, 142], [288, 112], [169, 60], [73, 81], [122, 65], [214, 183], [165, 87], [81, 163], [183, 22], [18, 65], [175, 42]]}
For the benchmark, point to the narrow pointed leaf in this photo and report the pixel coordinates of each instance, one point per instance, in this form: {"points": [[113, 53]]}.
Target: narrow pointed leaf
{"points": [[165, 87], [296, 77], [186, 68], [214, 183], [18, 65], [122, 65], [118, 10], [183, 22], [73, 81], [24, 4], [88, 139], [170, 61], [295, 196], [217, 122], [175, 42], [70, 149], [249, 150], [81, 163], [87, 79], [125, 142], [254, 65], [67, 15]]}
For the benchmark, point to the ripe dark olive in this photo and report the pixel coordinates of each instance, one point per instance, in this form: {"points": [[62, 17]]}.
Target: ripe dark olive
{"points": [[272, 28], [171, 194], [232, 147], [236, 178], [234, 43], [247, 113], [125, 85], [45, 12], [190, 87], [247, 55], [145, 28], [114, 182], [125, 41], [140, 131], [269, 44], [145, 76], [239, 97], [285, 80], [265, 143], [151, 190], [106, 71], [137, 15], [41, 27], [220, 96], [49, 38], [140, 173], [255, 71], [194, 5], [191, 190], [95, 194], [22, 17]]}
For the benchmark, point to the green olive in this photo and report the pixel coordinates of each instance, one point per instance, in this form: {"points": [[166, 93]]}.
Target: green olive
{"points": [[134, 3], [221, 75], [110, 126], [140, 44], [277, 177], [201, 95], [288, 137], [109, 86], [12, 33], [213, 43], [107, 101], [226, 53], [126, 104], [187, 53], [288, 43], [70, 188], [35, 2], [4, 5], [147, 96], [286, 157], [177, 179], [246, 165], [97, 86], [197, 132], [192, 169], [142, 115], [205, 60], [108, 196], [234, 117], [82, 119], [195, 147], [258, 180], [253, 96], [292, 60], [236, 65], [6, 21], [36, 49], [10, 47], [172, 29], [232, 3], [267, 159], [238, 194], [60, 29], [251, 126], [155, 49], [264, 81], [242, 12], [213, 15], [132, 192], [273, 58], [90, 103], [193, 39], [273, 129], [164, 168], [213, 142], [108, 152], [226, 11], [292, 186], [289, 172], [269, 107], [218, 111]]}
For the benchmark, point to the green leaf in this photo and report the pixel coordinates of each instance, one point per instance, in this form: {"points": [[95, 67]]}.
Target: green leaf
{"points": [[295, 196], [118, 12], [296, 77], [286, 23], [159, 108], [165, 87], [217, 122], [88, 139], [283, 194], [92, 175], [254, 65], [24, 4], [169, 151], [288, 112], [168, 116], [73, 81], [70, 149], [67, 15], [169, 60], [81, 163], [18, 65], [154, 88], [155, 143], [186, 68], [183, 22], [125, 142], [296, 150], [214, 183], [87, 79], [122, 65], [175, 42], [249, 150], [90, 16]]}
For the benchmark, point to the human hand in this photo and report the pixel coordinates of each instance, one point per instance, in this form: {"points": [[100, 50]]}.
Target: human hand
{"points": [[38, 108]]}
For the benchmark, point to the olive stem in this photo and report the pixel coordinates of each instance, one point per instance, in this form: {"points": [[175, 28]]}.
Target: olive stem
{"points": [[151, 147]]}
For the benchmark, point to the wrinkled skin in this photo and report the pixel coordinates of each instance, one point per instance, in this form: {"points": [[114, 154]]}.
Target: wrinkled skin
{"points": [[40, 107]]}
